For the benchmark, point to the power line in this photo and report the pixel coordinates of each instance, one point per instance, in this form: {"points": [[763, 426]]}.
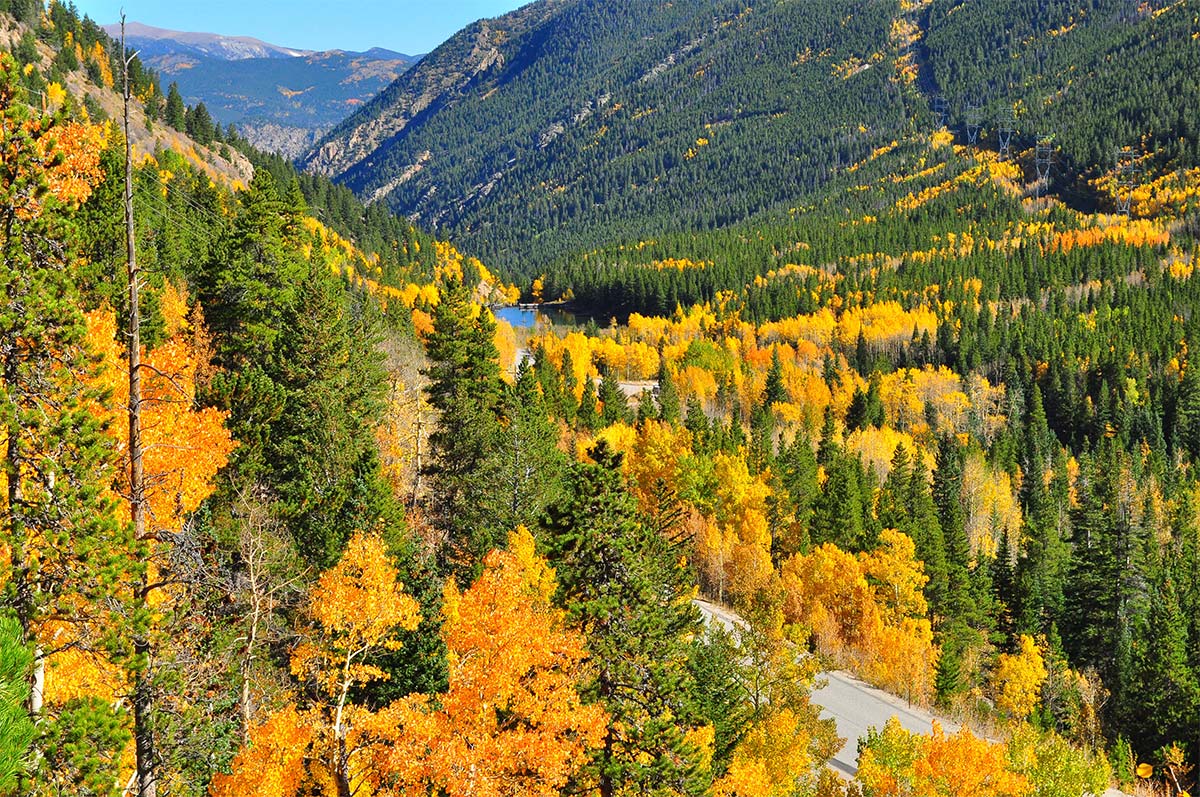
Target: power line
{"points": [[1044, 161]]}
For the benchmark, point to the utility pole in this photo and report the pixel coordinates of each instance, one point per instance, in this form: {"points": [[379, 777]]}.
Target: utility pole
{"points": [[1127, 174], [941, 109], [974, 120], [143, 698], [1006, 125], [1044, 160]]}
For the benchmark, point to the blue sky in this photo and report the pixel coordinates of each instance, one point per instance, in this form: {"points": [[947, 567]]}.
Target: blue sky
{"points": [[408, 26]]}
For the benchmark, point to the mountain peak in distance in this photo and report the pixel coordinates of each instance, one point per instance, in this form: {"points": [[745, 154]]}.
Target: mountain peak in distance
{"points": [[213, 45]]}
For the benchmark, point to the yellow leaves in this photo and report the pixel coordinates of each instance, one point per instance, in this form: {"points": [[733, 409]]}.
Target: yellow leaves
{"points": [[536, 573], [1120, 231], [505, 339], [898, 576], [879, 152], [742, 525], [99, 56], [906, 69], [174, 309], [512, 722], [877, 446], [272, 764], [897, 763], [621, 437], [357, 606], [78, 147], [681, 264], [904, 33], [991, 503], [964, 765], [941, 138], [656, 457], [879, 630], [54, 97], [1144, 771], [1019, 678], [850, 67], [185, 447], [770, 760]]}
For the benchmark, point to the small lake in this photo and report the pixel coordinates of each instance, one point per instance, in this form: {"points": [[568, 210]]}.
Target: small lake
{"points": [[530, 317]]}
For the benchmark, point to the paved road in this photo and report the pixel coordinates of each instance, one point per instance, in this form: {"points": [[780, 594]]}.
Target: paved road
{"points": [[854, 705]]}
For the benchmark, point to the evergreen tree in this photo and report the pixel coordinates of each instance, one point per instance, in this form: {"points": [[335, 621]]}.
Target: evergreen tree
{"points": [[65, 553], [301, 376], [465, 388], [529, 465], [1091, 617], [615, 407], [588, 414], [892, 507], [948, 498], [829, 446], [838, 514], [199, 124], [906, 504], [928, 539], [322, 449], [720, 696], [668, 396], [1165, 691], [1004, 587], [175, 114], [16, 729], [774, 392], [696, 422], [623, 582]]}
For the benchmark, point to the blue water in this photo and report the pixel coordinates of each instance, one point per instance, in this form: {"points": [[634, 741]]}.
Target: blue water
{"points": [[528, 317]]}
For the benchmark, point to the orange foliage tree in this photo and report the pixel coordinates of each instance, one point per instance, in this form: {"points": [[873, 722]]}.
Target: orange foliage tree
{"points": [[897, 763], [512, 722], [867, 612]]}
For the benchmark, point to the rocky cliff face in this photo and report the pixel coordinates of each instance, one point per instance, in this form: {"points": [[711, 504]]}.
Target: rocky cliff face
{"points": [[436, 82]]}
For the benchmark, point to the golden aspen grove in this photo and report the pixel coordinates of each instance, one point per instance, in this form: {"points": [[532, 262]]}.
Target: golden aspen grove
{"points": [[730, 398]]}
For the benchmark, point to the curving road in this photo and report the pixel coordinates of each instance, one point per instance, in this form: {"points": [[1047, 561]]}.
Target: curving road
{"points": [[853, 704]]}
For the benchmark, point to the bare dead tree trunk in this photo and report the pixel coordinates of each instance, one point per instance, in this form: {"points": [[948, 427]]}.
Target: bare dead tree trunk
{"points": [[143, 698]]}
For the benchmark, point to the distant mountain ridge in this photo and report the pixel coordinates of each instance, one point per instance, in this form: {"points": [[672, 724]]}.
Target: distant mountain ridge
{"points": [[154, 41], [280, 98]]}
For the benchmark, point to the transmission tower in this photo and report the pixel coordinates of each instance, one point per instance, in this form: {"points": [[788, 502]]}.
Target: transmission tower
{"points": [[1006, 125], [1127, 179], [941, 109], [974, 120], [1044, 160]]}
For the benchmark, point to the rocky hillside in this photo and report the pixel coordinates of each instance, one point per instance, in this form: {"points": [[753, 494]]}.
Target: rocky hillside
{"points": [[91, 83]]}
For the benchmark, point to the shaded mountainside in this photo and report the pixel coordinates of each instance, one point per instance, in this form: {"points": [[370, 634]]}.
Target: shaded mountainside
{"points": [[281, 99], [1094, 75], [572, 124]]}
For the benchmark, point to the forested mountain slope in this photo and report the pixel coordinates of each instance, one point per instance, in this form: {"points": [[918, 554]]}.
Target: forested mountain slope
{"points": [[603, 120], [587, 123], [1096, 76]]}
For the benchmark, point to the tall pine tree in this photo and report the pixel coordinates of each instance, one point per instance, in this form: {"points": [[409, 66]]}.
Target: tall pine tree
{"points": [[624, 583]]}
